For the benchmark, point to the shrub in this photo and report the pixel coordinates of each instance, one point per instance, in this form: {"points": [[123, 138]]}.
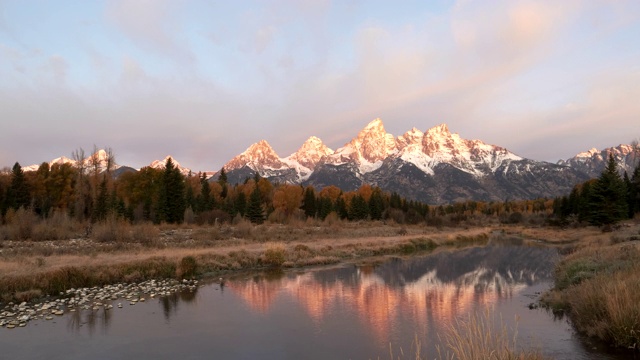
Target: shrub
{"points": [[145, 233], [187, 267], [111, 230], [22, 224], [275, 255]]}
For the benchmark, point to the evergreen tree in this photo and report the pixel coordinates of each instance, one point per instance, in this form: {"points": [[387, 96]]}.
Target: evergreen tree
{"points": [[255, 214], [608, 199], [341, 208], [630, 195], [359, 209], [18, 193], [325, 207], [171, 202], [101, 209], [222, 180], [376, 204], [240, 204], [309, 202], [634, 203], [205, 200]]}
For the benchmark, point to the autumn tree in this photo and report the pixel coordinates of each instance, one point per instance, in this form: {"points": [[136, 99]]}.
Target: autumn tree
{"points": [[287, 199]]}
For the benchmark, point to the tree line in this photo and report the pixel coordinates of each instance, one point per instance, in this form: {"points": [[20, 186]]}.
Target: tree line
{"points": [[603, 201], [89, 192]]}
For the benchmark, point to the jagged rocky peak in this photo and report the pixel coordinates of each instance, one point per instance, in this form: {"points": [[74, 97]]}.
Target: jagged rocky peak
{"points": [[160, 164], [373, 143], [411, 137], [310, 153], [439, 138], [258, 155]]}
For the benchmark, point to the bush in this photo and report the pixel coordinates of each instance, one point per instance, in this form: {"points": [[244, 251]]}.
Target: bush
{"points": [[275, 255], [111, 230], [145, 233], [22, 224], [187, 268]]}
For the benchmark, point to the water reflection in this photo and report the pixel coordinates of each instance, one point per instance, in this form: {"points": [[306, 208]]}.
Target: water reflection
{"points": [[90, 320], [429, 290], [170, 303]]}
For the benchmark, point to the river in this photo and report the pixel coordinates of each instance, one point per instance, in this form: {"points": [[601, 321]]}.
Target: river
{"points": [[342, 312]]}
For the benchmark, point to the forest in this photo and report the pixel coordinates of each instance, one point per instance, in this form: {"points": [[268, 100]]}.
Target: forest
{"points": [[91, 193]]}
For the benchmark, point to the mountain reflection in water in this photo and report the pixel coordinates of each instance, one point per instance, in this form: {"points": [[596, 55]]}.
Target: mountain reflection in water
{"points": [[432, 289]]}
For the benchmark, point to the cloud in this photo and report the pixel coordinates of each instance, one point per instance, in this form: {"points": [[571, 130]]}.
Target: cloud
{"points": [[153, 25], [263, 38], [58, 67]]}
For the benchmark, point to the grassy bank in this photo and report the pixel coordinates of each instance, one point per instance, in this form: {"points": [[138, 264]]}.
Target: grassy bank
{"points": [[597, 284], [124, 253]]}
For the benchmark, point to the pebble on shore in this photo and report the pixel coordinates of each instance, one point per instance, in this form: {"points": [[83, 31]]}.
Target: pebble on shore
{"points": [[91, 299]]}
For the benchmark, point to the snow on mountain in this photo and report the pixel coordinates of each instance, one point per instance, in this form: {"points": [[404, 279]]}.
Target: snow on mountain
{"points": [[159, 164], [593, 162], [367, 150], [307, 157], [98, 160], [438, 145], [259, 157]]}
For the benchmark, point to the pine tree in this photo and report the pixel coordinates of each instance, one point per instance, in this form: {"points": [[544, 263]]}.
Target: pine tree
{"points": [[222, 180], [171, 202], [255, 212], [376, 204], [359, 210], [325, 207], [309, 202], [634, 203], [18, 192], [101, 208], [205, 200], [240, 204], [608, 198], [341, 208]]}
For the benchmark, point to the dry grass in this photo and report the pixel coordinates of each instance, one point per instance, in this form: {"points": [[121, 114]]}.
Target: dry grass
{"points": [[482, 337], [598, 286], [216, 249]]}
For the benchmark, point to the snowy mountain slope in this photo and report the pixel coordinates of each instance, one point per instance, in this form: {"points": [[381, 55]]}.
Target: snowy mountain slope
{"points": [[98, 161], [160, 164], [593, 162]]}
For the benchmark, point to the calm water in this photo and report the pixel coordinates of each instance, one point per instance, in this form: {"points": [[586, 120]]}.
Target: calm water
{"points": [[344, 312]]}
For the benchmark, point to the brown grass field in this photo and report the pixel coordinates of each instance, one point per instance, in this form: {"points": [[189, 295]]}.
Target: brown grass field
{"points": [[597, 282]]}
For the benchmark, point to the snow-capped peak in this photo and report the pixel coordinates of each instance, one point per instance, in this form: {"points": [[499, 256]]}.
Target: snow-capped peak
{"points": [[438, 146], [159, 164], [257, 156], [413, 136], [309, 153], [372, 145], [588, 154]]}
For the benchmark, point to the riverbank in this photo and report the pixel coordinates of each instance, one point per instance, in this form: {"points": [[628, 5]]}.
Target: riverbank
{"points": [[597, 285], [31, 269]]}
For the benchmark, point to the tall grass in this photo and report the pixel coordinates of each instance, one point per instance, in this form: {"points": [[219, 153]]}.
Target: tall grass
{"points": [[482, 337], [599, 287]]}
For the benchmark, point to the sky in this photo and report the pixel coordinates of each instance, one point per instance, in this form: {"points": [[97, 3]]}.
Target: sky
{"points": [[203, 80]]}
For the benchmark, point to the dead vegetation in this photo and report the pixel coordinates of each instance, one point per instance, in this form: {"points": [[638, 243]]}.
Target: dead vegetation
{"points": [[115, 250]]}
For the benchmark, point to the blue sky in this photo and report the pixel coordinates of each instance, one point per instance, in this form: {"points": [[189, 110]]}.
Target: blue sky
{"points": [[203, 80]]}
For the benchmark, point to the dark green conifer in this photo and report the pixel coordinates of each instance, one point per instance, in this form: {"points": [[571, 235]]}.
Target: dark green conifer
{"points": [[608, 199], [255, 213], [18, 193], [309, 202]]}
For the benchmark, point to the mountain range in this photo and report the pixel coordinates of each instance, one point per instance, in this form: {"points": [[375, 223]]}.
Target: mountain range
{"points": [[435, 166]]}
